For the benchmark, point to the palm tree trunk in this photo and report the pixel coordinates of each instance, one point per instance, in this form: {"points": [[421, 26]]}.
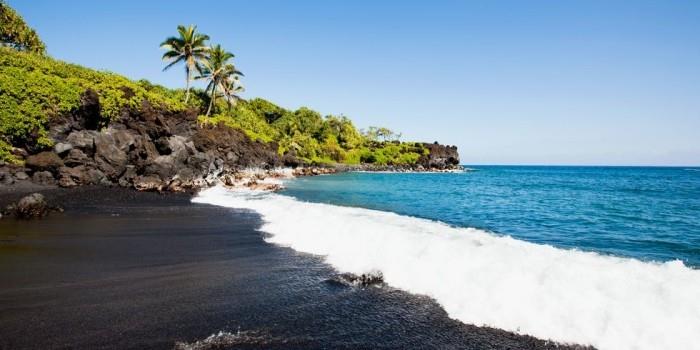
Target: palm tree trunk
{"points": [[211, 101], [187, 93]]}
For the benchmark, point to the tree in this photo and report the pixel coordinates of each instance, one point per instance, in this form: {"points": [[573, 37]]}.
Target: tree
{"points": [[343, 130], [15, 33], [232, 87], [221, 74], [189, 47], [375, 134], [270, 111]]}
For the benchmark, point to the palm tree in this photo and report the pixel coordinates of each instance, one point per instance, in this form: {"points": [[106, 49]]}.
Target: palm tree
{"points": [[190, 47], [231, 88], [221, 75]]}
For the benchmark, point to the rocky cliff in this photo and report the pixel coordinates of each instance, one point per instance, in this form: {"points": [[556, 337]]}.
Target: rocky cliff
{"points": [[439, 157], [152, 149], [145, 148]]}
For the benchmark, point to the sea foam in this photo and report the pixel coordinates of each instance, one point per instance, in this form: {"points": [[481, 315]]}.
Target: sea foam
{"points": [[481, 278]]}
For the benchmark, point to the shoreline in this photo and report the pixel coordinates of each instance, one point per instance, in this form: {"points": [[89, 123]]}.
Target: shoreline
{"points": [[133, 260], [256, 178]]}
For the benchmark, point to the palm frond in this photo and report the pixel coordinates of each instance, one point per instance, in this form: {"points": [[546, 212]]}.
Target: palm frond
{"points": [[173, 63]]}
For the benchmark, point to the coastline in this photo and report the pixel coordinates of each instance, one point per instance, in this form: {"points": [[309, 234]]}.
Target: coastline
{"points": [[149, 270]]}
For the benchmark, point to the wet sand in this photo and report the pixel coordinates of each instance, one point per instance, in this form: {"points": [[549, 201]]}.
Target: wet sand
{"points": [[127, 270]]}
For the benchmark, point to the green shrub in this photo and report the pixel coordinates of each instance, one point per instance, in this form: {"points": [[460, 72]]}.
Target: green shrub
{"points": [[243, 118], [15, 33], [34, 88], [6, 153], [266, 109]]}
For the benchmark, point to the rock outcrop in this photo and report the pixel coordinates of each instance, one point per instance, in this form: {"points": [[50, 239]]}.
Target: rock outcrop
{"points": [[31, 206], [440, 157], [147, 149], [152, 149]]}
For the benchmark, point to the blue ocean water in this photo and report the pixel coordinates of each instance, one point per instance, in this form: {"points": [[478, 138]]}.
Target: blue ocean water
{"points": [[648, 213]]}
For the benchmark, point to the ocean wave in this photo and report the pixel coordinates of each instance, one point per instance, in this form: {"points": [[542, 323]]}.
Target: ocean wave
{"points": [[221, 340], [479, 278], [238, 340]]}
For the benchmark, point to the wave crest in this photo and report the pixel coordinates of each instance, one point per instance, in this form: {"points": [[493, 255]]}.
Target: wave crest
{"points": [[484, 279]]}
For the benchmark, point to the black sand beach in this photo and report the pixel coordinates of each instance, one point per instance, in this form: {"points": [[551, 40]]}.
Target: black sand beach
{"points": [[127, 270]]}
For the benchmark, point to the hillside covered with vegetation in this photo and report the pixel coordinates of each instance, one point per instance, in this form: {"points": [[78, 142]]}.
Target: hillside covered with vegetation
{"points": [[35, 88]]}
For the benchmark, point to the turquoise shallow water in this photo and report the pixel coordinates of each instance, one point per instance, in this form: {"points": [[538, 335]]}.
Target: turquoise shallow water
{"points": [[652, 214]]}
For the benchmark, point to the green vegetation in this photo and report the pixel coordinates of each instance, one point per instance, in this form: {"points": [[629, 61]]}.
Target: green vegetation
{"points": [[313, 138], [16, 34], [35, 88], [221, 75]]}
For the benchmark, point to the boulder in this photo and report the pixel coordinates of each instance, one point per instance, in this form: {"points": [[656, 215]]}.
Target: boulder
{"points": [[83, 139], [142, 152], [127, 179], [31, 206], [43, 178], [182, 181], [180, 148], [363, 280], [77, 157], [96, 177], [61, 148], [77, 174], [110, 159], [163, 166], [44, 161], [21, 175], [200, 162], [66, 181], [6, 176], [148, 183], [123, 139]]}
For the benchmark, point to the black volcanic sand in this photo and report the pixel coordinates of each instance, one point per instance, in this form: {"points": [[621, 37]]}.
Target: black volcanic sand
{"points": [[127, 270]]}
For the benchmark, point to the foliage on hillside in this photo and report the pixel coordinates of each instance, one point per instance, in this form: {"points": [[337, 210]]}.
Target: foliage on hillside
{"points": [[312, 137], [15, 33], [34, 89]]}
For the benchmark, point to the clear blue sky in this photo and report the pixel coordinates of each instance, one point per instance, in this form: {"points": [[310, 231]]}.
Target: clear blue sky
{"points": [[509, 82]]}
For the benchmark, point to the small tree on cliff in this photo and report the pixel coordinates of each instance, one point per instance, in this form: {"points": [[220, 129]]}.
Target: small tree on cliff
{"points": [[221, 75], [15, 33], [189, 47]]}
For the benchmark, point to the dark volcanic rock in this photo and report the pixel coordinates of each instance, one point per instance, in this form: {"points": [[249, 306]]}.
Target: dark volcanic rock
{"points": [[83, 140], [43, 178], [148, 183], [21, 175], [44, 161], [363, 280], [31, 206], [6, 177], [109, 157], [439, 157], [222, 140], [88, 114], [77, 157]]}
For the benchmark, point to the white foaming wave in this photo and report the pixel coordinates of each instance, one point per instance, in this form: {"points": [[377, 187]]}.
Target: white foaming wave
{"points": [[479, 278]]}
